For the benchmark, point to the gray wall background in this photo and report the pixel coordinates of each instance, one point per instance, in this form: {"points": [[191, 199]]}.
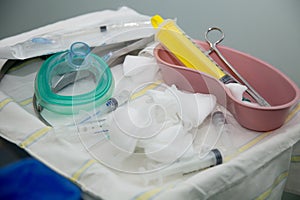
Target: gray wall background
{"points": [[266, 29]]}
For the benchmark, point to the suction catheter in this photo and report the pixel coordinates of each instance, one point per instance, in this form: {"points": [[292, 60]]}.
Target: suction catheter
{"points": [[50, 43]]}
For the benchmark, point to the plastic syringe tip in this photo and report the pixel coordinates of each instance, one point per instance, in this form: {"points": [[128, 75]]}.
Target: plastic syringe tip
{"points": [[122, 97], [218, 118], [114, 102]]}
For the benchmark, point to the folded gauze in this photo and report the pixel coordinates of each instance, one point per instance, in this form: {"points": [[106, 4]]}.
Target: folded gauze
{"points": [[140, 68], [160, 122], [191, 108], [237, 90], [176, 139]]}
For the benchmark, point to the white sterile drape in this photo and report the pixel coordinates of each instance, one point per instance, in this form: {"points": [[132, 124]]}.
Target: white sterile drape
{"points": [[258, 165]]}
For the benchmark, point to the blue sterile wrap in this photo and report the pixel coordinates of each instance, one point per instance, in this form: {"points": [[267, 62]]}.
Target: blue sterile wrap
{"points": [[30, 179]]}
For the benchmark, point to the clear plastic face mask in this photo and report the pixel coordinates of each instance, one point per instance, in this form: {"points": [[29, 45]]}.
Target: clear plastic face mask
{"points": [[73, 80]]}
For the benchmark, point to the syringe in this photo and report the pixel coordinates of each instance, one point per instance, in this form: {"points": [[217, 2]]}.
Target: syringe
{"points": [[89, 134], [186, 166], [89, 127], [94, 125], [185, 50], [224, 130], [110, 105], [59, 41]]}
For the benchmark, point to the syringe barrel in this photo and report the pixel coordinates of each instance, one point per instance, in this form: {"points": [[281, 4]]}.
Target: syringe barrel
{"points": [[183, 48], [188, 165]]}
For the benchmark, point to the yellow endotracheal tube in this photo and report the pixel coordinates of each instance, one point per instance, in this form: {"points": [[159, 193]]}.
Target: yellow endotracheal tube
{"points": [[185, 50]]}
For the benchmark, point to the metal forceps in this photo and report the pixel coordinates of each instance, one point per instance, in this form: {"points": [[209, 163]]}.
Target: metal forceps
{"points": [[213, 47]]}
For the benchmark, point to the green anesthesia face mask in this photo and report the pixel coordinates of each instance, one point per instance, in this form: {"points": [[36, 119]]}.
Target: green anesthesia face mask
{"points": [[73, 80]]}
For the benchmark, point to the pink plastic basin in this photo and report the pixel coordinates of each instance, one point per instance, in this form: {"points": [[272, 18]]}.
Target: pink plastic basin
{"points": [[269, 82]]}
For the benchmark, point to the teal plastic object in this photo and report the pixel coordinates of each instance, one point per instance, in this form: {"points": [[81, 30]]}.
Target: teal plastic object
{"points": [[71, 69]]}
